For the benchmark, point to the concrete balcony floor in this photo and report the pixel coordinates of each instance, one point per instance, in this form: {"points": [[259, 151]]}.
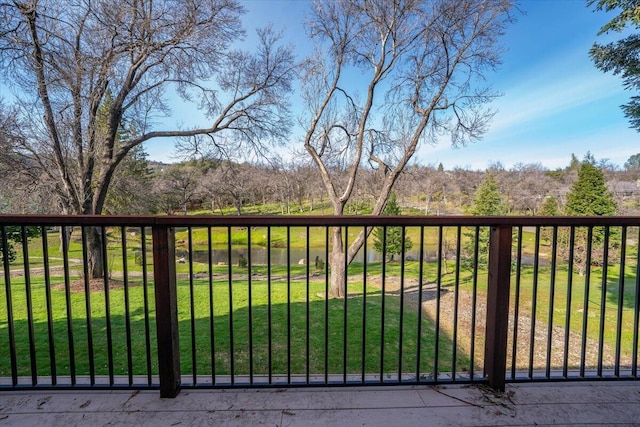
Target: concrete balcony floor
{"points": [[566, 403]]}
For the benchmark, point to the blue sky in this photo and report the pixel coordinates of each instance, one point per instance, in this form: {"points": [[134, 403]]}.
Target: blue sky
{"points": [[554, 103]]}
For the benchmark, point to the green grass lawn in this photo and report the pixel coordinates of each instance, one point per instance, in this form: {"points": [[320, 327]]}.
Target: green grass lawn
{"points": [[287, 340]]}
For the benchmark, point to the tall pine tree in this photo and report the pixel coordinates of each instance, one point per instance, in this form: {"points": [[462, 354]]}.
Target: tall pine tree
{"points": [[589, 197]]}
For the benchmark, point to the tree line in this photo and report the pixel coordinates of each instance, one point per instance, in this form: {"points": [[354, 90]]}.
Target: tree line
{"points": [[143, 187]]}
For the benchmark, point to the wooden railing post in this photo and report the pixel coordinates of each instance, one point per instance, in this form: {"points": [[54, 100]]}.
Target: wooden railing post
{"points": [[164, 273], [495, 352]]}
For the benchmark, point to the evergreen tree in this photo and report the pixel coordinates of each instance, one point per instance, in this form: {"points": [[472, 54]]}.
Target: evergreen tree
{"points": [[129, 193], [621, 57], [393, 244], [14, 235], [574, 163], [488, 201], [550, 207], [589, 197]]}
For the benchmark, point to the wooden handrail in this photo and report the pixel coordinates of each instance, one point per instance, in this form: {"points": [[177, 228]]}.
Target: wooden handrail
{"points": [[316, 220]]}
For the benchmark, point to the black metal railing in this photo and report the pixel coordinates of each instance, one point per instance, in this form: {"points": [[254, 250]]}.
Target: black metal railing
{"points": [[171, 302]]}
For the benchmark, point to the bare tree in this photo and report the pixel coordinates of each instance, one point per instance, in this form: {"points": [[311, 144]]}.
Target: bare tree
{"points": [[230, 182], [176, 187], [527, 187], [67, 56], [23, 188], [418, 64]]}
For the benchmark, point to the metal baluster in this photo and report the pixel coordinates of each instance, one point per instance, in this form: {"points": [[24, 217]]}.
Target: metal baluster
{"points": [[364, 307], [29, 300], [308, 330], [212, 333], [636, 312], [456, 296], [145, 295], [105, 270], [10, 320], [585, 313], [269, 308], [552, 292], [127, 309], [474, 297], [288, 305], [67, 291], [87, 302], [567, 322], [47, 288], [344, 312], [401, 325], [534, 300], [250, 304], [326, 306], [603, 299], [420, 286], [383, 300], [516, 307], [436, 352], [230, 280], [623, 255], [192, 309]]}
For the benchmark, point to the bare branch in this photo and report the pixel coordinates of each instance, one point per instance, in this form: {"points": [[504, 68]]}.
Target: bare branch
{"points": [[416, 63], [70, 59]]}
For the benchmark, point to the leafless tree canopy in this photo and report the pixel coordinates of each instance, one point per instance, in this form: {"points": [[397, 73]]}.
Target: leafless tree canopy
{"points": [[389, 75], [66, 58]]}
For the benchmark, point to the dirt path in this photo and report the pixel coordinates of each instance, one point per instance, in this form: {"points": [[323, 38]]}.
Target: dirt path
{"points": [[18, 271], [465, 325]]}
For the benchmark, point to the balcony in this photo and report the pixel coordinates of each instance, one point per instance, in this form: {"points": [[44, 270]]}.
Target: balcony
{"points": [[244, 302]]}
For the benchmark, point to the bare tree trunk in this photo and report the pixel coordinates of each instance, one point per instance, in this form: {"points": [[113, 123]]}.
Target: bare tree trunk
{"points": [[65, 237], [95, 255], [337, 262]]}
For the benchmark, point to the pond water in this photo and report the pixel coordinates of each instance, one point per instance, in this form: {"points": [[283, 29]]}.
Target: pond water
{"points": [[278, 255]]}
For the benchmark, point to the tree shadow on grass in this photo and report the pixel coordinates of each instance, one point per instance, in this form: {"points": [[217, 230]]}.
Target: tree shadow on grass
{"points": [[353, 336], [628, 287], [362, 336]]}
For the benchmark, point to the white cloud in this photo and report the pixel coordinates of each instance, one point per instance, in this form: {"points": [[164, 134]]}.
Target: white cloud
{"points": [[529, 103]]}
